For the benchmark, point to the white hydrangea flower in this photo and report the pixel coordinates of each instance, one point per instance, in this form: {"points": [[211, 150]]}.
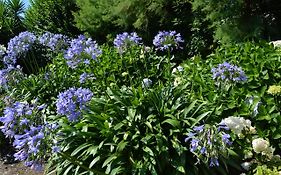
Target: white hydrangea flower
{"points": [[260, 145], [246, 165], [268, 152], [276, 43], [236, 124]]}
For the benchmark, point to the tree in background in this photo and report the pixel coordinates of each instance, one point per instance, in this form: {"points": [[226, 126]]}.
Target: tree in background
{"points": [[102, 18], [52, 15], [11, 17], [240, 20]]}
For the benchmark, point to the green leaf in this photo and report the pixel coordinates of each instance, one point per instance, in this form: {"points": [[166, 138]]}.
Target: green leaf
{"points": [[277, 136], [94, 161], [81, 147], [108, 160], [148, 150], [199, 118], [121, 145], [189, 108], [181, 169], [174, 123], [117, 170]]}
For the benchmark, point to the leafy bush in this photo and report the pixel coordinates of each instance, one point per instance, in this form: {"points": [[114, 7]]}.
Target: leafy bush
{"points": [[51, 15], [124, 109]]}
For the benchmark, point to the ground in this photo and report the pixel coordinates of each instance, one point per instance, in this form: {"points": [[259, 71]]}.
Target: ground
{"points": [[16, 169]]}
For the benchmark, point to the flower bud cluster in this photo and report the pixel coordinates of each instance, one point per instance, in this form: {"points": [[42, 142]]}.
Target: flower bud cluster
{"points": [[208, 143]]}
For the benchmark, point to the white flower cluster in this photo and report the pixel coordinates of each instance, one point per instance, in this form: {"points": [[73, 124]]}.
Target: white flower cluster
{"points": [[262, 146], [2, 50], [276, 43], [238, 124]]}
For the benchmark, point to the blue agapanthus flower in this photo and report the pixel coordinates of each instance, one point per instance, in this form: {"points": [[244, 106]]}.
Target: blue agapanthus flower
{"points": [[71, 102], [29, 145], [80, 49], [126, 40], [10, 75], [165, 40], [56, 42], [85, 76], [208, 142], [227, 72], [18, 45]]}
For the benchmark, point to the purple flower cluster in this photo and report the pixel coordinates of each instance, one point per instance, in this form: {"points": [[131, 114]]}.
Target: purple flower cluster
{"points": [[165, 40], [4, 76], [208, 142], [29, 145], [80, 47], [229, 73], [12, 115], [10, 75], [54, 41], [20, 124], [17, 46], [72, 102], [126, 40], [83, 77]]}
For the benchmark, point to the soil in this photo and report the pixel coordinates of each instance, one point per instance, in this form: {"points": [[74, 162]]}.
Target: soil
{"points": [[8, 166], [16, 169]]}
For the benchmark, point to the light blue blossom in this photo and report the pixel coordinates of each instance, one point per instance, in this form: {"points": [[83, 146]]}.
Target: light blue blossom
{"points": [[71, 102], [80, 48], [18, 45], [165, 40], [226, 72], [125, 40], [56, 42]]}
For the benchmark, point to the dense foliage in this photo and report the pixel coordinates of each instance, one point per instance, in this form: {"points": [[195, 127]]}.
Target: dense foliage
{"points": [[241, 20], [55, 16], [107, 17], [125, 109], [11, 21], [160, 98]]}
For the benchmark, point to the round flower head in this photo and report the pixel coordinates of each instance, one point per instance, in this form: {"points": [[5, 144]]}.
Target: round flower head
{"points": [[274, 90], [71, 102], [18, 45], [79, 47], [126, 40], [228, 73], [260, 145], [53, 41], [165, 40], [236, 124]]}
